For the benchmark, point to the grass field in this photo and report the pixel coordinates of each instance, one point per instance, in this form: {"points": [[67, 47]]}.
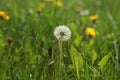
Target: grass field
{"points": [[30, 51]]}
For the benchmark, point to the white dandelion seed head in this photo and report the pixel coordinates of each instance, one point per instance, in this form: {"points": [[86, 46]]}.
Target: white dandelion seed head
{"points": [[62, 33], [84, 12]]}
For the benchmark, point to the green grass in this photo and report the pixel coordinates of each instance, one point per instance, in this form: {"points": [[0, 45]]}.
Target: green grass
{"points": [[34, 51]]}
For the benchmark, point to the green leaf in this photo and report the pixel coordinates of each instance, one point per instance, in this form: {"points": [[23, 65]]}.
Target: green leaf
{"points": [[73, 27], [77, 41], [77, 60], [93, 56], [103, 61]]}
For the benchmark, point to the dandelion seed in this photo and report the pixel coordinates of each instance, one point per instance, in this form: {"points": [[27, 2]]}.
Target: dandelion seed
{"points": [[4, 15], [62, 33], [91, 32]]}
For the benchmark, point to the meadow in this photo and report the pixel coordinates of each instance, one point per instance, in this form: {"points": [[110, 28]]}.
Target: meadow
{"points": [[30, 49]]}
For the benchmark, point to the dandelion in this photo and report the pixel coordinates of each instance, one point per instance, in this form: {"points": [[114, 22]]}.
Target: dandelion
{"points": [[91, 32], [9, 40], [39, 10], [84, 12], [62, 33], [93, 18], [40, 7], [48, 0], [4, 15], [79, 8], [59, 3]]}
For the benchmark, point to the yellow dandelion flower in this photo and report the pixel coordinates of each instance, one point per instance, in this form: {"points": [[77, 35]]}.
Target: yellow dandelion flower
{"points": [[59, 3], [79, 8], [39, 10], [4, 15], [93, 18], [48, 0], [91, 32], [40, 7]]}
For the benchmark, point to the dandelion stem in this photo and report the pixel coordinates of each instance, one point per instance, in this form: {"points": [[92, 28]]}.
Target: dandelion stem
{"points": [[60, 59]]}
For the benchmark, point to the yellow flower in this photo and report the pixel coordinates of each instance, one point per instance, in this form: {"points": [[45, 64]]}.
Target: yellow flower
{"points": [[4, 15], [79, 8], [40, 7], [91, 32], [39, 10], [59, 3], [93, 18], [48, 0]]}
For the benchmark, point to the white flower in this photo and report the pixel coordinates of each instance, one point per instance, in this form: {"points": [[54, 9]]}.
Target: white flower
{"points": [[62, 33], [84, 12]]}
